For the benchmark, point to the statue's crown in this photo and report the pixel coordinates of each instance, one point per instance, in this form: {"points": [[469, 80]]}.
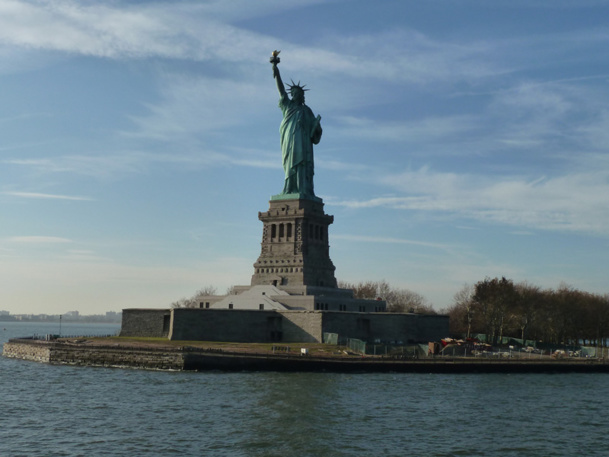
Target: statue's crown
{"points": [[296, 86]]}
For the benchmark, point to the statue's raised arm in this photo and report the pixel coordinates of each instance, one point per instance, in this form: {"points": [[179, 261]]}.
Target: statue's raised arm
{"points": [[299, 131], [275, 60]]}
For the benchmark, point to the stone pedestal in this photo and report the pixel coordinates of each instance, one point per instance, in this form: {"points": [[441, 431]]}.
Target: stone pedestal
{"points": [[295, 249]]}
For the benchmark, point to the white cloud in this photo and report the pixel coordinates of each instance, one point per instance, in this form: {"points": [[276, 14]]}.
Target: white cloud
{"points": [[509, 138], [37, 195], [186, 30], [38, 240], [198, 106], [21, 117], [533, 98], [439, 128], [411, 56], [596, 132], [97, 30], [387, 240], [575, 202], [171, 30], [108, 165], [203, 32]]}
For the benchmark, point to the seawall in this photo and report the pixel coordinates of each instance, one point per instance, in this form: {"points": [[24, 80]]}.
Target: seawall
{"points": [[107, 356], [188, 358]]}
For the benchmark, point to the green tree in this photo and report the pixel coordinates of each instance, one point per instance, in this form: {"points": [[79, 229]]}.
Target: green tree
{"points": [[530, 303], [494, 299]]}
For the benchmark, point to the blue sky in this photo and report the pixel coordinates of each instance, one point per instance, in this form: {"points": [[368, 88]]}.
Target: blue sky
{"points": [[139, 139]]}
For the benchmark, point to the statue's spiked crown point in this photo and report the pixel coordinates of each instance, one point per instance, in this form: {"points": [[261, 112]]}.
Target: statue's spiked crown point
{"points": [[294, 86]]}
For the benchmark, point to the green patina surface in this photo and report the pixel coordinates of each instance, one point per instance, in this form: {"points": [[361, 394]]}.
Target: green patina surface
{"points": [[300, 129], [295, 196]]}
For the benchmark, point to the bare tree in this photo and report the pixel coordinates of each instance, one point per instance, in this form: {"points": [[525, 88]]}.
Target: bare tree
{"points": [[461, 313], [398, 300], [407, 301], [193, 302], [181, 303], [364, 290]]}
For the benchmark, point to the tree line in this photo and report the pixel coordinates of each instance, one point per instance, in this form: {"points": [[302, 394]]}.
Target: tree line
{"points": [[398, 300], [499, 308]]}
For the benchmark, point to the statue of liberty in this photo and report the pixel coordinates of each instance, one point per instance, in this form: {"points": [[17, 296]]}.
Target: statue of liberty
{"points": [[299, 131]]}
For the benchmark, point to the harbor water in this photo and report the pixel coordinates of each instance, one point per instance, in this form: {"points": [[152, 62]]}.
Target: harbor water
{"points": [[53, 410]]}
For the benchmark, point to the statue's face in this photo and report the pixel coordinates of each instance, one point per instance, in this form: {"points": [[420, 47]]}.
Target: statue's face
{"points": [[298, 95]]}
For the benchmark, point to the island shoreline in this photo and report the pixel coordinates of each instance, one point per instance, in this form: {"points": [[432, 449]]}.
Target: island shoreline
{"points": [[187, 358]]}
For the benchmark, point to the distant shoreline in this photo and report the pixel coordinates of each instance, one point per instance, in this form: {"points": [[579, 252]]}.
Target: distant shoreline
{"points": [[109, 353], [56, 321]]}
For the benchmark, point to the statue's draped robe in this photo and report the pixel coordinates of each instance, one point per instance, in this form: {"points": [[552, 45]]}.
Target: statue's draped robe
{"points": [[299, 131]]}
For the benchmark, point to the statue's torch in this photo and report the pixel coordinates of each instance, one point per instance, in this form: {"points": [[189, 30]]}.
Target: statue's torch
{"points": [[275, 57]]}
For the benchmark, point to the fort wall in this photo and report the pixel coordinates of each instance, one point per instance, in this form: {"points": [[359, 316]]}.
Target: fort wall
{"points": [[244, 326], [256, 326], [431, 328], [149, 323], [301, 326]]}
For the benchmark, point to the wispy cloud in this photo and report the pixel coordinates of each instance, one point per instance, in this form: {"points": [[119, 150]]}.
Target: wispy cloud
{"points": [[92, 30], [439, 128], [205, 32], [108, 165], [84, 255], [528, 120], [81, 164], [192, 107], [389, 240], [118, 165], [21, 117], [188, 30], [575, 202], [38, 240], [178, 30], [596, 131], [46, 196], [408, 55]]}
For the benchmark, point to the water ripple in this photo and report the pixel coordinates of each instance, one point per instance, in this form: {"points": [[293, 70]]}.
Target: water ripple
{"points": [[50, 410]]}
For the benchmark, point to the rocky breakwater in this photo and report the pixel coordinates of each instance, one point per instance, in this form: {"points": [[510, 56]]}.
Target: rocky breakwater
{"points": [[82, 352]]}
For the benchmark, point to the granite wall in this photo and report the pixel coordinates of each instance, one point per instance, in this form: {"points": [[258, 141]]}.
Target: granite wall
{"points": [[79, 354], [301, 326], [25, 351], [146, 322], [386, 327], [238, 325], [254, 326]]}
